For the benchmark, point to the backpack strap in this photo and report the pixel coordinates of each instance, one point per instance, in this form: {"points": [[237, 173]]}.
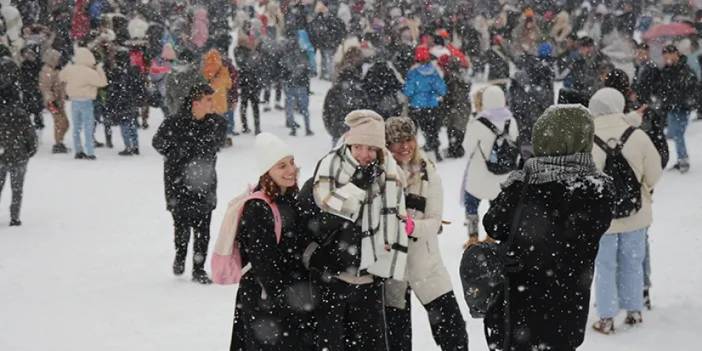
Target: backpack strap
{"points": [[490, 126], [277, 221], [620, 145]]}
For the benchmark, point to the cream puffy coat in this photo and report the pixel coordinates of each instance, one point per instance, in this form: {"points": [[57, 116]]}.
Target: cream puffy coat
{"points": [[644, 161], [82, 77], [426, 273], [479, 181]]}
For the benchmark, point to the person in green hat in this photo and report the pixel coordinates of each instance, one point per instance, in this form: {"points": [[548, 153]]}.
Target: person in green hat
{"points": [[550, 216]]}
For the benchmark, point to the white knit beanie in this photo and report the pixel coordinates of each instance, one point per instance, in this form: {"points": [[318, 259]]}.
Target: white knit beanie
{"points": [[493, 98], [366, 127], [269, 150]]}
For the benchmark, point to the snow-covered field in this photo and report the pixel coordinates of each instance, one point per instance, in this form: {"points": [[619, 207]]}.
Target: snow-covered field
{"points": [[91, 266]]}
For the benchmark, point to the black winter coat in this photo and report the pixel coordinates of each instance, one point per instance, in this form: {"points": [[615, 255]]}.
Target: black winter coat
{"points": [[646, 81], [555, 244], [678, 87], [276, 288], [125, 92], [18, 140], [346, 95], [32, 100], [295, 66], [382, 83], [585, 75], [190, 150], [327, 32], [271, 56], [249, 69]]}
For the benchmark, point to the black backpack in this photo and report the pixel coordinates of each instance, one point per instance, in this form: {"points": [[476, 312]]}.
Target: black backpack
{"points": [[504, 156], [626, 184]]}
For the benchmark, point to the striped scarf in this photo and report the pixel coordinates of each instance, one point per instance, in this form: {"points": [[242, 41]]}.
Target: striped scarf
{"points": [[383, 243]]}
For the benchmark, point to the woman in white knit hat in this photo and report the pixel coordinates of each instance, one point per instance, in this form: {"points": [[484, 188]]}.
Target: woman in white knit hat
{"points": [[271, 300], [426, 275], [354, 207]]}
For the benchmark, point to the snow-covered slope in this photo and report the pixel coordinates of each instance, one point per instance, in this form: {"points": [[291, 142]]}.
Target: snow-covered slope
{"points": [[91, 266]]}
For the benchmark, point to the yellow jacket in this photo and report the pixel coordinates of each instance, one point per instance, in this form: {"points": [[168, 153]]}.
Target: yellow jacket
{"points": [[218, 76]]}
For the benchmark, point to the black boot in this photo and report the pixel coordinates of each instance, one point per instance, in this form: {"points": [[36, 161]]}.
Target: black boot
{"points": [[108, 140], [179, 263], [15, 223], [647, 299]]}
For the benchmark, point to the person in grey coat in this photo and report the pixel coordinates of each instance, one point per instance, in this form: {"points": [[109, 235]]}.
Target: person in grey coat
{"points": [[184, 77]]}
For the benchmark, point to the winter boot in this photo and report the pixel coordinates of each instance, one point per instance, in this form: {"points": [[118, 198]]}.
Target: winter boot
{"points": [[126, 152], [80, 155], [200, 276], [604, 326], [633, 318], [59, 149], [279, 107], [647, 299], [293, 132], [15, 223], [437, 153], [179, 263], [683, 165], [309, 132], [99, 144], [108, 140]]}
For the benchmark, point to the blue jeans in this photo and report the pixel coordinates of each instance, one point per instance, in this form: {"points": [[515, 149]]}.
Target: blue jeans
{"points": [[297, 98], [327, 63], [229, 115], [677, 124], [471, 203], [83, 118], [129, 133], [619, 277]]}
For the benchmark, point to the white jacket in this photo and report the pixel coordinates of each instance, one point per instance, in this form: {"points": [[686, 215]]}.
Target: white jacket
{"points": [[426, 273], [643, 159], [82, 77], [478, 181]]}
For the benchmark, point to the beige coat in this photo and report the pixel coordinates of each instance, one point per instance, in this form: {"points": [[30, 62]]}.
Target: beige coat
{"points": [[52, 89], [82, 77], [644, 161], [426, 273]]}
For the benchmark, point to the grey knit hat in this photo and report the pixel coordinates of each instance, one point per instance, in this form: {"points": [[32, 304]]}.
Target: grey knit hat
{"points": [[398, 129]]}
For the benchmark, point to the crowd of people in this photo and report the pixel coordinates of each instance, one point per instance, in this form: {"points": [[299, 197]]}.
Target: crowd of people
{"points": [[568, 173]]}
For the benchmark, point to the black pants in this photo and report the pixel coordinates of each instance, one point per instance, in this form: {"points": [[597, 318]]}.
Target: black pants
{"points": [[350, 317], [278, 86], [253, 97], [445, 319], [429, 121], [183, 223], [17, 172]]}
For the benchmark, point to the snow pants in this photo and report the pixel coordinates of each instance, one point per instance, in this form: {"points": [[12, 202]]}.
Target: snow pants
{"points": [[447, 325], [350, 317], [17, 172], [183, 224]]}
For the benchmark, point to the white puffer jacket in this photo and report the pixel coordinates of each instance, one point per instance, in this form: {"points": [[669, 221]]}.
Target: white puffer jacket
{"points": [[82, 77], [479, 181], [426, 273]]}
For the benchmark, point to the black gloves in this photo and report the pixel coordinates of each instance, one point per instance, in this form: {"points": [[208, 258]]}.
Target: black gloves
{"points": [[328, 258], [364, 177]]}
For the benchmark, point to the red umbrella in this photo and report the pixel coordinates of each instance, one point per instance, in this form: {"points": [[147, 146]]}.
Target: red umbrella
{"points": [[669, 30]]}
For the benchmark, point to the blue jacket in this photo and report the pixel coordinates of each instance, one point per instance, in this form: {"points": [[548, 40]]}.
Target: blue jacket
{"points": [[424, 86]]}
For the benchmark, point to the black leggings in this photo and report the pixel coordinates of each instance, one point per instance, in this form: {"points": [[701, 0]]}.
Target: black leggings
{"points": [[429, 121], [253, 97]]}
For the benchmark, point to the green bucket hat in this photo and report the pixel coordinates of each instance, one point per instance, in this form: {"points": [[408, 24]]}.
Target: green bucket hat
{"points": [[563, 130]]}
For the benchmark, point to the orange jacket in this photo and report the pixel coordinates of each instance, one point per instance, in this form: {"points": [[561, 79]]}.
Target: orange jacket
{"points": [[218, 76]]}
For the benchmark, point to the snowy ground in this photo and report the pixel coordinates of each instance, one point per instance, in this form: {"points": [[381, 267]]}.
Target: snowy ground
{"points": [[91, 266]]}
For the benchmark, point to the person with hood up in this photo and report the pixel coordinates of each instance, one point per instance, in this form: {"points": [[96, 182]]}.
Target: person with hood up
{"points": [[549, 218], [424, 87], [18, 140], [478, 182], [383, 83], [619, 279], [83, 77], [354, 209], [125, 92], [184, 76], [189, 142], [217, 76], [13, 25], [678, 86], [427, 276], [54, 93], [275, 289]]}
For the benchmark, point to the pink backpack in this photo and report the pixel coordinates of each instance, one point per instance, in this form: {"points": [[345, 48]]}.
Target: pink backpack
{"points": [[227, 267]]}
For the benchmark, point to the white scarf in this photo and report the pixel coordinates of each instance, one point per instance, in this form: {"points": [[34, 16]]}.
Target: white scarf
{"points": [[384, 243]]}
